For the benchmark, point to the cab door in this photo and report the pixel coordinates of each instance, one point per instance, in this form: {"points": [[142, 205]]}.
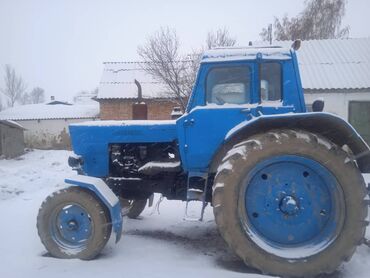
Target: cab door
{"points": [[226, 96]]}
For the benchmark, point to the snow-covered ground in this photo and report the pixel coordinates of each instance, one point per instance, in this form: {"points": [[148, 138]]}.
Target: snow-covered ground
{"points": [[156, 245]]}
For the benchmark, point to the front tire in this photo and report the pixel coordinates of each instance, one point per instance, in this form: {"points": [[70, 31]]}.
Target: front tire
{"points": [[73, 223], [290, 203], [132, 208]]}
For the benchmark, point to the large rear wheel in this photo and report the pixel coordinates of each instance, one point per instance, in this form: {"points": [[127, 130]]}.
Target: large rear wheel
{"points": [[290, 203]]}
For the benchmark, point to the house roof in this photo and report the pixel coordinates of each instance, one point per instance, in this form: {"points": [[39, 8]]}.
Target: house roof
{"points": [[335, 64], [324, 65], [11, 124], [46, 111], [117, 81]]}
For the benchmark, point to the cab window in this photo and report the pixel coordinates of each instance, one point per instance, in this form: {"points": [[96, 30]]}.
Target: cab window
{"points": [[229, 85], [270, 81]]}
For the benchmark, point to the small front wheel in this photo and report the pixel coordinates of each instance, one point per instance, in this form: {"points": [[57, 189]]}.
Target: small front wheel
{"points": [[132, 208], [73, 223]]}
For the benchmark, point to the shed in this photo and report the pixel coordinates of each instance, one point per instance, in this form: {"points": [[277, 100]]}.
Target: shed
{"points": [[46, 124], [11, 139]]}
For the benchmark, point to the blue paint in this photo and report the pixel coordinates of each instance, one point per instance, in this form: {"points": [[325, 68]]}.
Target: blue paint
{"points": [[292, 201], [71, 226], [92, 142], [114, 209]]}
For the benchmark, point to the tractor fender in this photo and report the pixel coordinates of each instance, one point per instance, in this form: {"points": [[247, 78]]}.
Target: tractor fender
{"points": [[105, 194], [327, 125]]}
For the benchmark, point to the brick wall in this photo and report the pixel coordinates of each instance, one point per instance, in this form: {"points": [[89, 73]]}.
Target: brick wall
{"points": [[121, 109]]}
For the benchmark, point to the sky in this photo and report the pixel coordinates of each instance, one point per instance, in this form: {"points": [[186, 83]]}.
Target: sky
{"points": [[60, 45]]}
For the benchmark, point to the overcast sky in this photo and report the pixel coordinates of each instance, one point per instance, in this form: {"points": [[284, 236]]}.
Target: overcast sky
{"points": [[60, 45]]}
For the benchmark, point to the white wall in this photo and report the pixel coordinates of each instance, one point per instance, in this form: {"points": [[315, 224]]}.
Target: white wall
{"points": [[338, 103], [48, 134]]}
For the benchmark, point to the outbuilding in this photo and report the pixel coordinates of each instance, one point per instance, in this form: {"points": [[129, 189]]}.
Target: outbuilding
{"points": [[46, 124], [11, 139]]}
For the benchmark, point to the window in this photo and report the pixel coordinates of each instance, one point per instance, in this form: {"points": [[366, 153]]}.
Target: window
{"points": [[229, 85], [359, 117], [270, 76]]}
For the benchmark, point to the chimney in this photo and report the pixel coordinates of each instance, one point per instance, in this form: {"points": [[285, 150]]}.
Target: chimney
{"points": [[139, 109], [52, 98]]}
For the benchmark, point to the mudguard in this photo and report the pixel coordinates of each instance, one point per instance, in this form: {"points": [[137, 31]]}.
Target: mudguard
{"points": [[328, 125], [105, 194]]}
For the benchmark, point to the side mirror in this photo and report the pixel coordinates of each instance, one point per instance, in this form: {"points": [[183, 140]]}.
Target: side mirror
{"points": [[296, 44], [318, 105]]}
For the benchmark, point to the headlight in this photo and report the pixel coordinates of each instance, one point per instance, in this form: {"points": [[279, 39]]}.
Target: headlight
{"points": [[75, 161]]}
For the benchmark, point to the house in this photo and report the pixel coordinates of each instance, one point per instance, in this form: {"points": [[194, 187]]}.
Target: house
{"points": [[11, 139], [118, 92], [338, 71], [46, 124]]}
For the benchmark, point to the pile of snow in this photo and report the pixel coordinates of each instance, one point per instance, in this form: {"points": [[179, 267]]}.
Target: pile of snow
{"points": [[156, 245]]}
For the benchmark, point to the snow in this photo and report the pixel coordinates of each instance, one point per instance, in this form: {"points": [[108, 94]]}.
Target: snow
{"points": [[126, 123], [156, 245], [275, 104], [11, 124], [44, 111], [245, 53], [117, 82], [158, 164], [100, 186]]}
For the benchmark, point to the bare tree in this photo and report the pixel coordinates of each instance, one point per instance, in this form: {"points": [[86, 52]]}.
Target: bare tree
{"points": [[320, 19], [14, 86], [219, 38], [190, 69], [24, 99], [37, 95], [165, 63], [85, 96]]}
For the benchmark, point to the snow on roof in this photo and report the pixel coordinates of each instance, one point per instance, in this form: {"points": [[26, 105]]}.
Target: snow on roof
{"points": [[45, 111], [117, 81], [246, 53], [335, 64], [12, 124]]}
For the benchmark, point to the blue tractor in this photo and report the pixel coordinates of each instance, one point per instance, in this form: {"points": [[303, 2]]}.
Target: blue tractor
{"points": [[286, 185]]}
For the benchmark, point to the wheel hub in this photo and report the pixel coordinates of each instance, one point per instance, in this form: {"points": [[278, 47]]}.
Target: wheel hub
{"points": [[72, 225], [289, 205]]}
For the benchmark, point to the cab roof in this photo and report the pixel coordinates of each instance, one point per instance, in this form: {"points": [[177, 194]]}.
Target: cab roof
{"points": [[247, 53]]}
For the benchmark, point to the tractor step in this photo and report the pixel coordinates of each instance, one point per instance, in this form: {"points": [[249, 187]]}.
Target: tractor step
{"points": [[193, 195]]}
